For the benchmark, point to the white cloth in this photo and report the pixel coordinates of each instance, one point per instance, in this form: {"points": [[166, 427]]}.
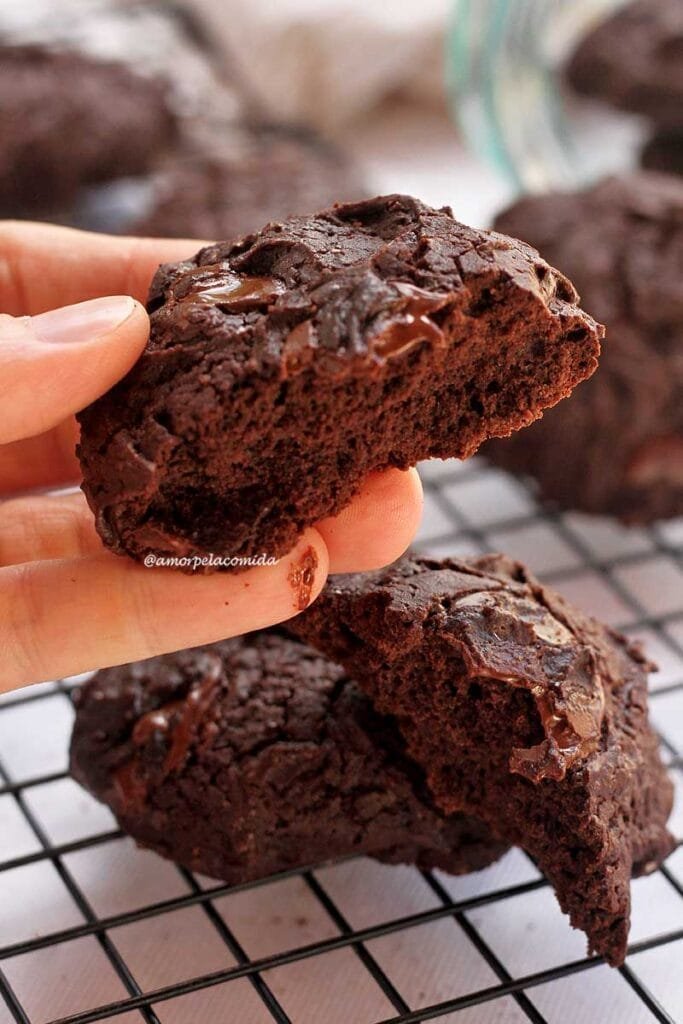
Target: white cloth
{"points": [[328, 61]]}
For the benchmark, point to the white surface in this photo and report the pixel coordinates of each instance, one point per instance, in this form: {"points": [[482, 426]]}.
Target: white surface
{"points": [[327, 61]]}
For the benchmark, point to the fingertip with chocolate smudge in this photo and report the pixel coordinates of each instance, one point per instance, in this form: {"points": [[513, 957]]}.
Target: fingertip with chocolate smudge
{"points": [[301, 578]]}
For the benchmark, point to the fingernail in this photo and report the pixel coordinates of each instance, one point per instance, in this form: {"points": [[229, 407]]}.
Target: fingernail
{"points": [[84, 321]]}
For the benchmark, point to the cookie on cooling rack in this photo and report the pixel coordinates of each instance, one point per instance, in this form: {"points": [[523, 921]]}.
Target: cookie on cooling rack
{"points": [[284, 367], [616, 447], [522, 712], [120, 120], [257, 755]]}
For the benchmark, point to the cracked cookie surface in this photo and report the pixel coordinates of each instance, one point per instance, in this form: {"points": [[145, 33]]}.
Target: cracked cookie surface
{"points": [[286, 366], [257, 755], [521, 711]]}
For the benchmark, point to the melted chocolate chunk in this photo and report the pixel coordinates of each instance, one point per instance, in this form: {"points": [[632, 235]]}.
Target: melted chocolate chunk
{"points": [[412, 325], [236, 293], [518, 641], [176, 726]]}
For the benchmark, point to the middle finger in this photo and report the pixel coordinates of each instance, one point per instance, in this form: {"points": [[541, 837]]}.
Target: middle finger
{"points": [[47, 460], [46, 526]]}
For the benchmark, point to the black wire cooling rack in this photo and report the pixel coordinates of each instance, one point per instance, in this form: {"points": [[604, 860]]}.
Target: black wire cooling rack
{"points": [[634, 578]]}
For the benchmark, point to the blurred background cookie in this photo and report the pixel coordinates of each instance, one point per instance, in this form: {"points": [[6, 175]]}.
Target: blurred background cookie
{"points": [[122, 122], [664, 152], [174, 140], [634, 60], [228, 186], [616, 447]]}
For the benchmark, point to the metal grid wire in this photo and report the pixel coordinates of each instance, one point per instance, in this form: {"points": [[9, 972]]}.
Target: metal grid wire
{"points": [[388, 956]]}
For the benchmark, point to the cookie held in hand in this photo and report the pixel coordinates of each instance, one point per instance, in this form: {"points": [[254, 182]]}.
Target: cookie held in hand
{"points": [[284, 367]]}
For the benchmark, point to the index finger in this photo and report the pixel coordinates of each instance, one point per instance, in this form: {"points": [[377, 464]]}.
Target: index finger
{"points": [[43, 266]]}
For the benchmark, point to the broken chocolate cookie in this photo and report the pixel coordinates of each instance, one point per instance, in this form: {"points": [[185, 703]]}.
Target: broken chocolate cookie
{"points": [[522, 712], [258, 755]]}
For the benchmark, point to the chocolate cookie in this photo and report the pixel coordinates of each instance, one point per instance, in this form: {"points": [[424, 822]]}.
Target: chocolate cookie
{"points": [[257, 755], [634, 60], [67, 120], [284, 367], [664, 152], [617, 446], [521, 711], [262, 174]]}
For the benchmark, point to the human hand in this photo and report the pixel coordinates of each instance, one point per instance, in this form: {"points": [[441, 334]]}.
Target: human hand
{"points": [[67, 605]]}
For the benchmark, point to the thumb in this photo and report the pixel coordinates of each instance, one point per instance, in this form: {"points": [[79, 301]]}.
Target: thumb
{"points": [[54, 364]]}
